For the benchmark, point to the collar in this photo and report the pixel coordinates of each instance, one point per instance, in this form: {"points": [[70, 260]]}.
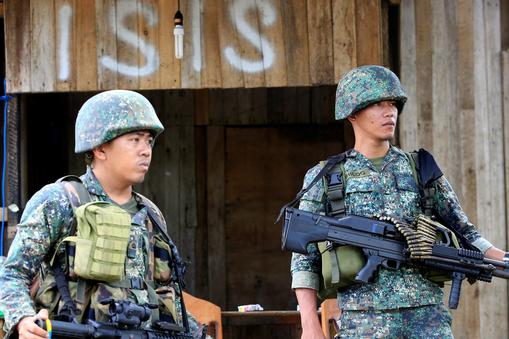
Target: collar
{"points": [[93, 185], [392, 154]]}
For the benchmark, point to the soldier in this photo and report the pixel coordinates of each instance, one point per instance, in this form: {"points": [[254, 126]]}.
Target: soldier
{"points": [[378, 180], [116, 131]]}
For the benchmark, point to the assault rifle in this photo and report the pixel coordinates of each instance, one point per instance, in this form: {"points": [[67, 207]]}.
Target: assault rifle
{"points": [[126, 319], [391, 244]]}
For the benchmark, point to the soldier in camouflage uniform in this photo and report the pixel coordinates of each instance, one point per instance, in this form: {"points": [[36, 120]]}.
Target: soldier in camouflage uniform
{"points": [[378, 180], [116, 130]]}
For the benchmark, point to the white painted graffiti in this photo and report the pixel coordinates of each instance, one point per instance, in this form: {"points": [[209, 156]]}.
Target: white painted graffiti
{"points": [[124, 9], [238, 12], [118, 14], [64, 19]]}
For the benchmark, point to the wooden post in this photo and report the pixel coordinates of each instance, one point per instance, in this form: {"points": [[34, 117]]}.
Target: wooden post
{"points": [[216, 215]]}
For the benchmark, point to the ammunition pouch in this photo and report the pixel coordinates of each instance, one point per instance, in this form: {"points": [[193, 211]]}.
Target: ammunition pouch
{"points": [[103, 231], [340, 265]]}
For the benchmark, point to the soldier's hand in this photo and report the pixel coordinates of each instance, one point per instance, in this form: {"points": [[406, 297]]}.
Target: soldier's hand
{"points": [[28, 329]]}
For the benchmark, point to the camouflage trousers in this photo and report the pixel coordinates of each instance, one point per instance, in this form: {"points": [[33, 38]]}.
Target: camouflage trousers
{"points": [[432, 321]]}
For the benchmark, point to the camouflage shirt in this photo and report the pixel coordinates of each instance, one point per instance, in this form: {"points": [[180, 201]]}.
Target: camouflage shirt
{"points": [[46, 220], [390, 191]]}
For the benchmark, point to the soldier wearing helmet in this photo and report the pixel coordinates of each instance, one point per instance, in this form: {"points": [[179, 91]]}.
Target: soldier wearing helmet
{"points": [[378, 180], [116, 130]]}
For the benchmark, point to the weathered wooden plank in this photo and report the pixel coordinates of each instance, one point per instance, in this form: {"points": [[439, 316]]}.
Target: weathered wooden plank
{"points": [[321, 59], [344, 27], [187, 202], [64, 45], [408, 70], [368, 32], [295, 29], [17, 42], [444, 93], [42, 49], [231, 68], [169, 68], [201, 107], [171, 179], [505, 93], [249, 58], [191, 63], [273, 43], [322, 104], [424, 58], [216, 215], [466, 318], [86, 50], [489, 169], [252, 106], [211, 64], [128, 44], [148, 53], [106, 30]]}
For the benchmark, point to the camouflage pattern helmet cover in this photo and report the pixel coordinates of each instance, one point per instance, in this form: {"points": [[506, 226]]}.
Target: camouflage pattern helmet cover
{"points": [[367, 85], [110, 114]]}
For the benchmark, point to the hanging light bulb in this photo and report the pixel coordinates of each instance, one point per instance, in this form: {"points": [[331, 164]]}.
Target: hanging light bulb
{"points": [[178, 33]]}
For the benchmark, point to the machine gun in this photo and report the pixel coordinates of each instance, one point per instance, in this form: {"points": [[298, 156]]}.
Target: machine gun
{"points": [[126, 320], [390, 244]]}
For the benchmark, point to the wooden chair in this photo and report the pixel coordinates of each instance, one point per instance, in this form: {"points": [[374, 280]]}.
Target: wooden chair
{"points": [[206, 313], [330, 314]]}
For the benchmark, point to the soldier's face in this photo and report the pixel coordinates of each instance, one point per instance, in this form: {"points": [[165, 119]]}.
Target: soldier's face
{"points": [[128, 156], [377, 121]]}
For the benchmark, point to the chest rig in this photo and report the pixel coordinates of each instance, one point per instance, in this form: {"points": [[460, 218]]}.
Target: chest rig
{"points": [[162, 253]]}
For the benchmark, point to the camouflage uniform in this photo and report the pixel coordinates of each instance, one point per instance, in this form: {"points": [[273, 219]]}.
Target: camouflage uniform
{"points": [[48, 217], [392, 191], [398, 303]]}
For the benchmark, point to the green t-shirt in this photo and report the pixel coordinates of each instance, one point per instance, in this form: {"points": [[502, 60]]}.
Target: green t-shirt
{"points": [[378, 162], [131, 206]]}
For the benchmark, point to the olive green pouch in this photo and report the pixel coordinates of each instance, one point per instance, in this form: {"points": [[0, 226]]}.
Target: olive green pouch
{"points": [[338, 271], [103, 231]]}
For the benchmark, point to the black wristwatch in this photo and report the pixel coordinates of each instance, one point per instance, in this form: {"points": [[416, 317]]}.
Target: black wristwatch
{"points": [[506, 257]]}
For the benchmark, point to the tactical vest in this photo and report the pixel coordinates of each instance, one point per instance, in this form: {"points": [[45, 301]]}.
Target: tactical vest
{"points": [[340, 264], [94, 257]]}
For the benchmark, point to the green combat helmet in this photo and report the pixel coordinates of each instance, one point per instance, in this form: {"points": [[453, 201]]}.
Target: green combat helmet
{"points": [[110, 114], [367, 85]]}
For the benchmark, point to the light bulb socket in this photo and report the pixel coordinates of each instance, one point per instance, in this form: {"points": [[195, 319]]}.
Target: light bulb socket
{"points": [[178, 19]]}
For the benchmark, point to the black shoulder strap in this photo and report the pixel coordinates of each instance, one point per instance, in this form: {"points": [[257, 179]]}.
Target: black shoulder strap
{"points": [[427, 167], [427, 172], [331, 162]]}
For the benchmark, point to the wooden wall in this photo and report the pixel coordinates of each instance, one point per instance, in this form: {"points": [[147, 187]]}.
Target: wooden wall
{"points": [[86, 45], [451, 67], [226, 162]]}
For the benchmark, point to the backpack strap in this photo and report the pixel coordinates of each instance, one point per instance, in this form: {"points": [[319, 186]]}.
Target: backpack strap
{"points": [[179, 266], [77, 194], [331, 162], [426, 171], [334, 188]]}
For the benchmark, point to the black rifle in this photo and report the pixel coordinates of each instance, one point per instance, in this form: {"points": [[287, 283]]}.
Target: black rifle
{"points": [[126, 319], [384, 245]]}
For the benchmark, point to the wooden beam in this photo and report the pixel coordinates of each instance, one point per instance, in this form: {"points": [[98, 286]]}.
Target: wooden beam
{"points": [[216, 215]]}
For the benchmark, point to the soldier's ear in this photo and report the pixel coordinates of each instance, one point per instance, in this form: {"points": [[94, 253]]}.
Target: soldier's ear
{"points": [[99, 152]]}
